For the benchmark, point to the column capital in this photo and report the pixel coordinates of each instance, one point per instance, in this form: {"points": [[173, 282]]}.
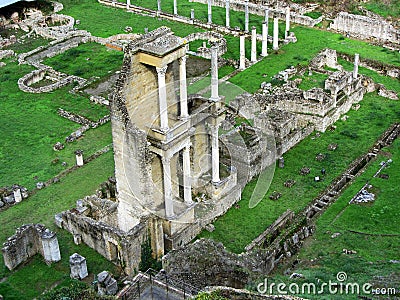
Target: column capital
{"points": [[161, 70], [182, 60]]}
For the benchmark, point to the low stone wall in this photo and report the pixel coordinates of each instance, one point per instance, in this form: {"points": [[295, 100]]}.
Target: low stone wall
{"points": [[365, 27], [211, 36], [110, 242], [28, 241]]}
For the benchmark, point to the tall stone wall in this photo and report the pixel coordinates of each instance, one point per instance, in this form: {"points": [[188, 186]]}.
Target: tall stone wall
{"points": [[366, 27], [29, 240]]}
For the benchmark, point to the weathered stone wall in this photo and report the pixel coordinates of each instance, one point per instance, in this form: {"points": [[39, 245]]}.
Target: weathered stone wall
{"points": [[29, 240], [116, 245], [210, 36], [365, 27]]}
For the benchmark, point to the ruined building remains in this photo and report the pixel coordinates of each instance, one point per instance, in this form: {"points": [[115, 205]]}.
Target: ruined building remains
{"points": [[166, 151]]}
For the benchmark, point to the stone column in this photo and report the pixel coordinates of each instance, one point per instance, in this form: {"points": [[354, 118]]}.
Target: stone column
{"points": [[192, 13], [162, 98], [275, 45], [183, 87], [187, 184], [158, 5], [168, 202], [215, 153], [78, 266], [175, 7], [264, 49], [79, 157], [266, 15], [356, 62], [227, 16], [209, 12], [242, 58], [214, 73], [128, 4], [51, 250], [253, 44], [287, 27], [246, 16]]}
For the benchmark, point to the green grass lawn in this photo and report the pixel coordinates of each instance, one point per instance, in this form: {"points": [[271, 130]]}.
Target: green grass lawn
{"points": [[376, 241], [31, 126], [32, 279], [310, 42], [87, 60], [238, 227]]}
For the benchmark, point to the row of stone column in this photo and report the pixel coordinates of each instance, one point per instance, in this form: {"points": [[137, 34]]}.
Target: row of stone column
{"points": [[162, 93], [166, 159], [264, 39], [227, 14]]}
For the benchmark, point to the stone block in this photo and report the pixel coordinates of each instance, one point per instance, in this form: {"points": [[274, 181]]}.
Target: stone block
{"points": [[78, 266]]}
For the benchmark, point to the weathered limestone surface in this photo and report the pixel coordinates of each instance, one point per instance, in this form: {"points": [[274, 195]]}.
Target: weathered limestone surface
{"points": [[29, 240], [366, 27]]}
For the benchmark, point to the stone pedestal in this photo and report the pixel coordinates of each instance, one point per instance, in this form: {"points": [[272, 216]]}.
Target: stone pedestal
{"points": [[253, 44], [17, 195], [79, 157], [106, 284], [51, 250], [78, 266], [242, 58]]}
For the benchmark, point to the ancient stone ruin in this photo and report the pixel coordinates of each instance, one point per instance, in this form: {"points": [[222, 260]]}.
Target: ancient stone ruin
{"points": [[29, 240]]}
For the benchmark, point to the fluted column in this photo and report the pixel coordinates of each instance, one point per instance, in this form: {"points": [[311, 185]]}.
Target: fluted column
{"points": [[266, 15], [253, 57], [227, 16], [158, 5], [356, 62], [264, 45], [168, 202], [183, 87], [187, 184], [209, 12], [175, 7], [128, 4], [242, 57], [214, 73], [287, 27], [246, 16], [275, 45], [215, 154], [162, 98]]}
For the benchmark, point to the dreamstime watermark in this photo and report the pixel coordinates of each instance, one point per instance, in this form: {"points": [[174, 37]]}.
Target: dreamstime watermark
{"points": [[337, 287]]}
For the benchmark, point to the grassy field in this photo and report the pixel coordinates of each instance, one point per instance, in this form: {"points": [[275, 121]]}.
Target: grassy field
{"points": [[31, 127], [369, 229], [87, 60], [35, 277]]}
